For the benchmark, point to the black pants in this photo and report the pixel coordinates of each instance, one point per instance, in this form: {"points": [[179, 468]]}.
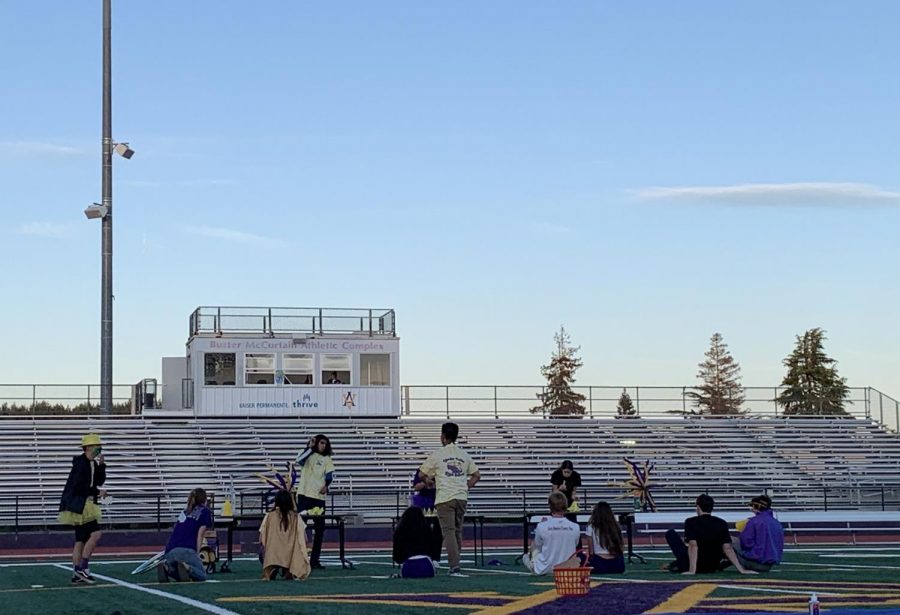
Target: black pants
{"points": [[682, 561], [305, 503]]}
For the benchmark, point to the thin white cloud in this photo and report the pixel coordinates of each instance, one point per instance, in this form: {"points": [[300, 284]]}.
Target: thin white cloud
{"points": [[829, 194], [186, 183], [39, 147], [42, 229], [208, 182], [553, 228], [227, 234]]}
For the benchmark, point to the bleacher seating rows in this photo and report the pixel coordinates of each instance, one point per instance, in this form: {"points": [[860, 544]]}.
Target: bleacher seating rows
{"points": [[154, 463]]}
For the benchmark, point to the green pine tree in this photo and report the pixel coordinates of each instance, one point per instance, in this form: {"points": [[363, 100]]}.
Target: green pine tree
{"points": [[558, 398], [812, 385], [625, 407], [720, 392]]}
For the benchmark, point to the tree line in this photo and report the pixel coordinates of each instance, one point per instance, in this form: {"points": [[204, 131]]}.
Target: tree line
{"points": [[812, 386]]}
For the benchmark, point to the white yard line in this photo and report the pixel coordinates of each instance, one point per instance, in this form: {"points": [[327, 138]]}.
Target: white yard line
{"points": [[203, 606], [755, 588]]}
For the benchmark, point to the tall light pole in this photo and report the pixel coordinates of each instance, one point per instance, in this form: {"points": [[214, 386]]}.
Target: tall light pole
{"points": [[106, 293], [103, 211]]}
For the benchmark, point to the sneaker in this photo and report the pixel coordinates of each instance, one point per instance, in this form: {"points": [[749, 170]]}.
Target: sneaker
{"points": [[162, 575], [84, 576], [456, 572], [77, 579], [181, 572]]}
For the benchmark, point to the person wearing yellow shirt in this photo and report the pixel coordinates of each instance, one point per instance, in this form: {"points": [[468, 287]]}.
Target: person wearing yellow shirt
{"points": [[317, 472], [454, 473]]}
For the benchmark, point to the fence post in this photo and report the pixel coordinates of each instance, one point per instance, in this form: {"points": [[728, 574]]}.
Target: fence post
{"points": [[882, 498], [825, 497], [447, 401], [683, 401], [591, 401], [33, 397], [496, 415], [637, 400], [158, 513], [17, 515]]}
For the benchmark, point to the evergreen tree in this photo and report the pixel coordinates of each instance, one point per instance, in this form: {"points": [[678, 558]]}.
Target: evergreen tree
{"points": [[625, 408], [558, 398], [813, 386], [720, 391]]}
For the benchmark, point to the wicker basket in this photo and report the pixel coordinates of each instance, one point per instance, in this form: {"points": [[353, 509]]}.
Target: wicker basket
{"points": [[572, 581]]}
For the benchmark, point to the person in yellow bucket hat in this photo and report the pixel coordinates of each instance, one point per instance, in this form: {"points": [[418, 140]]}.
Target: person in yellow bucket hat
{"points": [[78, 505]]}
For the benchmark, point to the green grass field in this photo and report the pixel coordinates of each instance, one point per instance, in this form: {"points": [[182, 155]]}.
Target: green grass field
{"points": [[847, 579]]}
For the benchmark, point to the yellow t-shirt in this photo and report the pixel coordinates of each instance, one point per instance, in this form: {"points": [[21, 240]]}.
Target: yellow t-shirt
{"points": [[312, 475], [451, 467]]}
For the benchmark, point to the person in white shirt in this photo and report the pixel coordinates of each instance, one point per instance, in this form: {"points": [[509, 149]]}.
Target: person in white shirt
{"points": [[555, 538], [605, 544], [454, 473]]}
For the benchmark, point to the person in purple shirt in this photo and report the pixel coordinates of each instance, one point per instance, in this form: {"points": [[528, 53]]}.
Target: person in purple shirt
{"points": [[761, 543], [182, 560]]}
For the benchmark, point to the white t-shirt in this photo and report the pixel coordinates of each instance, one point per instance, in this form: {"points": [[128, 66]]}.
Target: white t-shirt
{"points": [[599, 548], [555, 540]]}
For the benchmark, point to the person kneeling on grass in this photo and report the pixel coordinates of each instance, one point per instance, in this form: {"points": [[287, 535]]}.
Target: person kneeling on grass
{"points": [[282, 536], [555, 538], [413, 545], [605, 541], [182, 560]]}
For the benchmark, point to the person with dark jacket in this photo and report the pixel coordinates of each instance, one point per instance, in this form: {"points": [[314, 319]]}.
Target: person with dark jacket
{"points": [[78, 506], [411, 545]]}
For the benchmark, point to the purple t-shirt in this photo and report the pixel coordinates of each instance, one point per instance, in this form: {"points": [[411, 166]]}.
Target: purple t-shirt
{"points": [[184, 534]]}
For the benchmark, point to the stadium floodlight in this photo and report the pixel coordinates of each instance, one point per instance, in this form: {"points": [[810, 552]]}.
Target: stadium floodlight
{"points": [[96, 211], [124, 150]]}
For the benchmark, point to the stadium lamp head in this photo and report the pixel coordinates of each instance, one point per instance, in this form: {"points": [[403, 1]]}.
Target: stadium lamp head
{"points": [[96, 211], [123, 150]]}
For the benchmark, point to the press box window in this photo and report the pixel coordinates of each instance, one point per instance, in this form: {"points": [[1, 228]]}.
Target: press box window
{"points": [[297, 368], [218, 369], [375, 370], [259, 369], [335, 369]]}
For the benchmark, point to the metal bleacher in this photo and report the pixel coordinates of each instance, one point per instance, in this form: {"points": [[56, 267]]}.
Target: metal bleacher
{"points": [[852, 463]]}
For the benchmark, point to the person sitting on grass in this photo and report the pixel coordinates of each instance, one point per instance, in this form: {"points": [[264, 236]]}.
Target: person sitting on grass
{"points": [[413, 545], [761, 543], [605, 541], [555, 538], [182, 559], [282, 536], [708, 542]]}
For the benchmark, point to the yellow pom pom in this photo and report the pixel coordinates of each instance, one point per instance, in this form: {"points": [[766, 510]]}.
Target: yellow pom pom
{"points": [[740, 525]]}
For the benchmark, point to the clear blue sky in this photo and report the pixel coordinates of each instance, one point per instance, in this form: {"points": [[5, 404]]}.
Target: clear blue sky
{"points": [[644, 173]]}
